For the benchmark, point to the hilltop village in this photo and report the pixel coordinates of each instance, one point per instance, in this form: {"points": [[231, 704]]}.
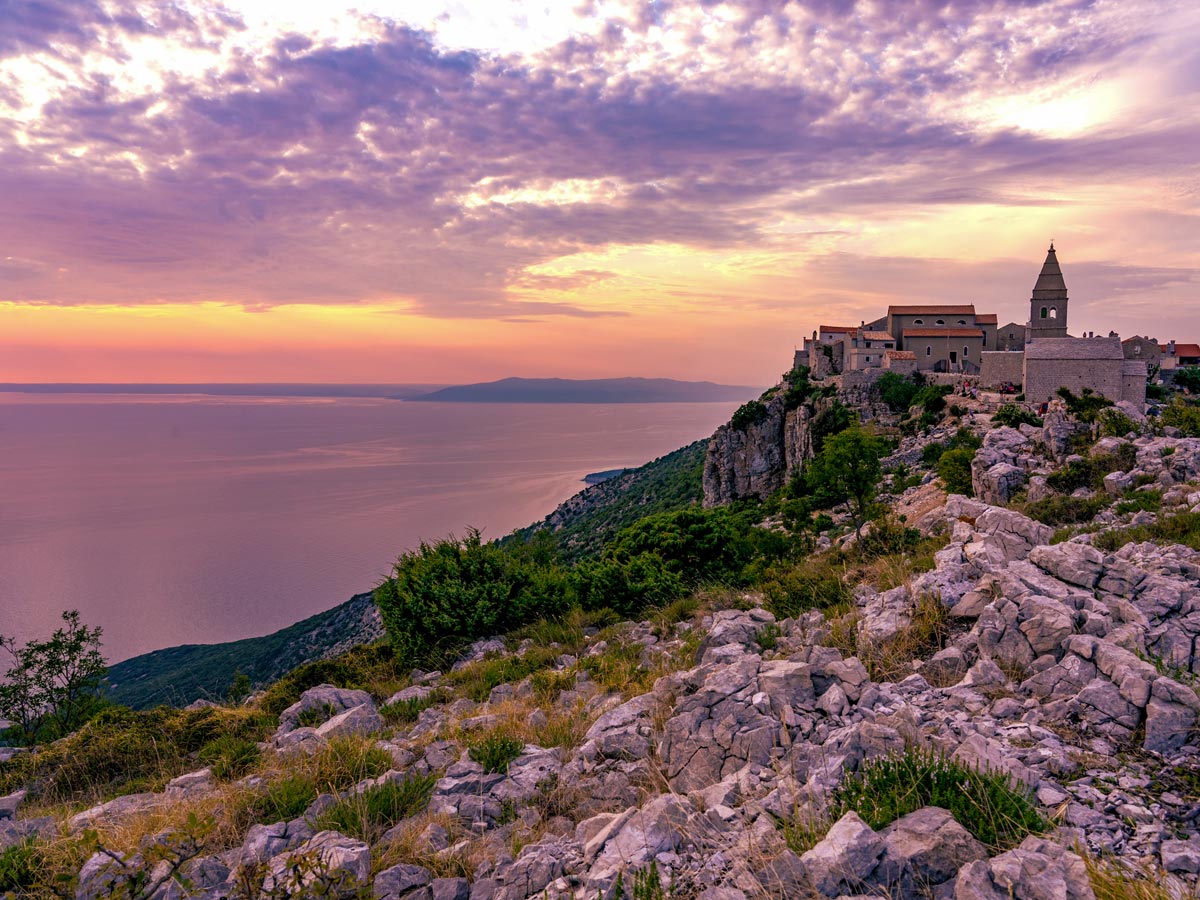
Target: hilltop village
{"points": [[1036, 358]]}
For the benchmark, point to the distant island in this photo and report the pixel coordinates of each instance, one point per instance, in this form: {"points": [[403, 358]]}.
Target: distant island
{"points": [[597, 477], [597, 390]]}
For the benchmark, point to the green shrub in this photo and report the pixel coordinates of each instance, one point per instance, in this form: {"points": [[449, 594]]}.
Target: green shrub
{"points": [[368, 814], [1089, 472], [1114, 423], [229, 756], [896, 391], [453, 591], [1014, 416], [626, 586], [1063, 510], [830, 420], [1140, 501], [496, 751], [749, 413], [847, 469], [1086, 406], [360, 668], [1188, 377], [932, 398], [1182, 528], [314, 715], [797, 387], [791, 590], [954, 468], [20, 866], [1182, 415], [699, 545], [986, 804], [768, 636], [477, 679]]}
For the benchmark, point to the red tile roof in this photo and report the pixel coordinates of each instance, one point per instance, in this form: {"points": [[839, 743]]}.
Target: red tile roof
{"points": [[985, 319], [1186, 349], [837, 329], [943, 332]]}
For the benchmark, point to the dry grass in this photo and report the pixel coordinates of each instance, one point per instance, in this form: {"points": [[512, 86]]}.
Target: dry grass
{"points": [[1112, 880], [891, 660]]}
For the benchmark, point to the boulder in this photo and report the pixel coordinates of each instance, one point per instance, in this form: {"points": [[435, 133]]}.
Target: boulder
{"points": [[926, 848], [1171, 715], [324, 699], [356, 721], [10, 804], [394, 883], [1182, 856], [1070, 562], [844, 861], [1036, 870], [328, 861], [192, 784]]}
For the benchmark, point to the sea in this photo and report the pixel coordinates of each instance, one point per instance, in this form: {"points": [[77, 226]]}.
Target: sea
{"points": [[177, 519]]}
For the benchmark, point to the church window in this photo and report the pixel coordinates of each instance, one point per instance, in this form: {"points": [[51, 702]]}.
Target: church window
{"points": [[1054, 312], [962, 321], [1043, 312], [1137, 349], [918, 321], [928, 350], [941, 321], [964, 351]]}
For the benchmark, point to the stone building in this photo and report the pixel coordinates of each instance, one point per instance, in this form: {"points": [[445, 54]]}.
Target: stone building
{"points": [[1143, 348], [1010, 337], [1096, 363]]}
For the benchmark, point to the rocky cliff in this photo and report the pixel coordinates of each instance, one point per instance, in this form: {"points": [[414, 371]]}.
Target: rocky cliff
{"points": [[757, 459]]}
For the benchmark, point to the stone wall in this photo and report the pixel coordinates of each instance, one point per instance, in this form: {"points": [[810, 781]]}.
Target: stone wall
{"points": [[1133, 382], [1043, 377], [1002, 366]]}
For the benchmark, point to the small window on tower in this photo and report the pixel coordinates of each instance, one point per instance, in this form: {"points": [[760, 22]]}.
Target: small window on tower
{"points": [[1054, 312], [1043, 312]]}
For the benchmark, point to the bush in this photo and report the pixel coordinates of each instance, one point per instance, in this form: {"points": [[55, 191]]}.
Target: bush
{"points": [[932, 398], [626, 586], [896, 391], [750, 413], [496, 751], [406, 711], [699, 545], [1114, 423], [954, 468], [1086, 406], [797, 387], [1188, 377], [454, 591], [794, 589], [1089, 472], [1182, 528], [984, 803], [20, 866], [828, 421], [344, 762], [847, 468], [1014, 416], [1183, 416], [281, 800]]}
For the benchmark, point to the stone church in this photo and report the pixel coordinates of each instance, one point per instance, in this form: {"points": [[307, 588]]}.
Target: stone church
{"points": [[1051, 359]]}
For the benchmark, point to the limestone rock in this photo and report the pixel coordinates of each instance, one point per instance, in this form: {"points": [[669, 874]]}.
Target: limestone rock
{"points": [[324, 699], [845, 859], [927, 848], [358, 720]]}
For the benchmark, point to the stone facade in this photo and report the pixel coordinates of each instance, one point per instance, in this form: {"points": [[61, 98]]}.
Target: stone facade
{"points": [[1002, 367], [1010, 337], [1144, 348], [1097, 363]]}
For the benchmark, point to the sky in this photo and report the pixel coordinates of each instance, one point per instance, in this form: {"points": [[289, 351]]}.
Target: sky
{"points": [[450, 191]]}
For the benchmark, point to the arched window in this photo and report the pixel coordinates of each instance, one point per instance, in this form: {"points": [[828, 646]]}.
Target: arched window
{"points": [[1054, 312], [962, 321], [928, 350], [965, 348], [918, 321], [1043, 312], [1137, 349], [941, 321]]}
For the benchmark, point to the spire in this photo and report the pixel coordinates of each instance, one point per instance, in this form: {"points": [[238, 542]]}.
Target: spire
{"points": [[1051, 276]]}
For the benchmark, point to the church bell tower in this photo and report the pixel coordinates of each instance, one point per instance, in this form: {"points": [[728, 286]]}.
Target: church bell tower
{"points": [[1048, 305]]}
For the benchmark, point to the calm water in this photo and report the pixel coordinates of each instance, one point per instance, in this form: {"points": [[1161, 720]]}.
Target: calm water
{"points": [[171, 520]]}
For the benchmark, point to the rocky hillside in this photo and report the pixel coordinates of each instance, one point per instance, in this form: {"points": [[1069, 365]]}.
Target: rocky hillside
{"points": [[1015, 719]]}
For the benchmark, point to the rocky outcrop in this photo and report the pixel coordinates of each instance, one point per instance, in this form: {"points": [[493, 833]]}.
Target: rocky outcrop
{"points": [[756, 459]]}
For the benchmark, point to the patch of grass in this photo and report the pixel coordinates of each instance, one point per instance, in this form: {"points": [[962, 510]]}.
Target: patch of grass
{"points": [[495, 751], [316, 715], [369, 667], [985, 803], [19, 867], [802, 830], [477, 679], [122, 751], [1182, 528], [768, 636], [280, 800], [369, 814], [1089, 472], [891, 660], [405, 711], [1062, 510], [1140, 501], [344, 762], [229, 756], [1121, 880]]}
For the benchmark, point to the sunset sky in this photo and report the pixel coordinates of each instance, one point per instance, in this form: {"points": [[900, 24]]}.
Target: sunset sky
{"points": [[445, 190]]}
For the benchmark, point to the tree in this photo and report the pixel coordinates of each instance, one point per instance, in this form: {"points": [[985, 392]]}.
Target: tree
{"points": [[53, 684], [849, 467], [1188, 377]]}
